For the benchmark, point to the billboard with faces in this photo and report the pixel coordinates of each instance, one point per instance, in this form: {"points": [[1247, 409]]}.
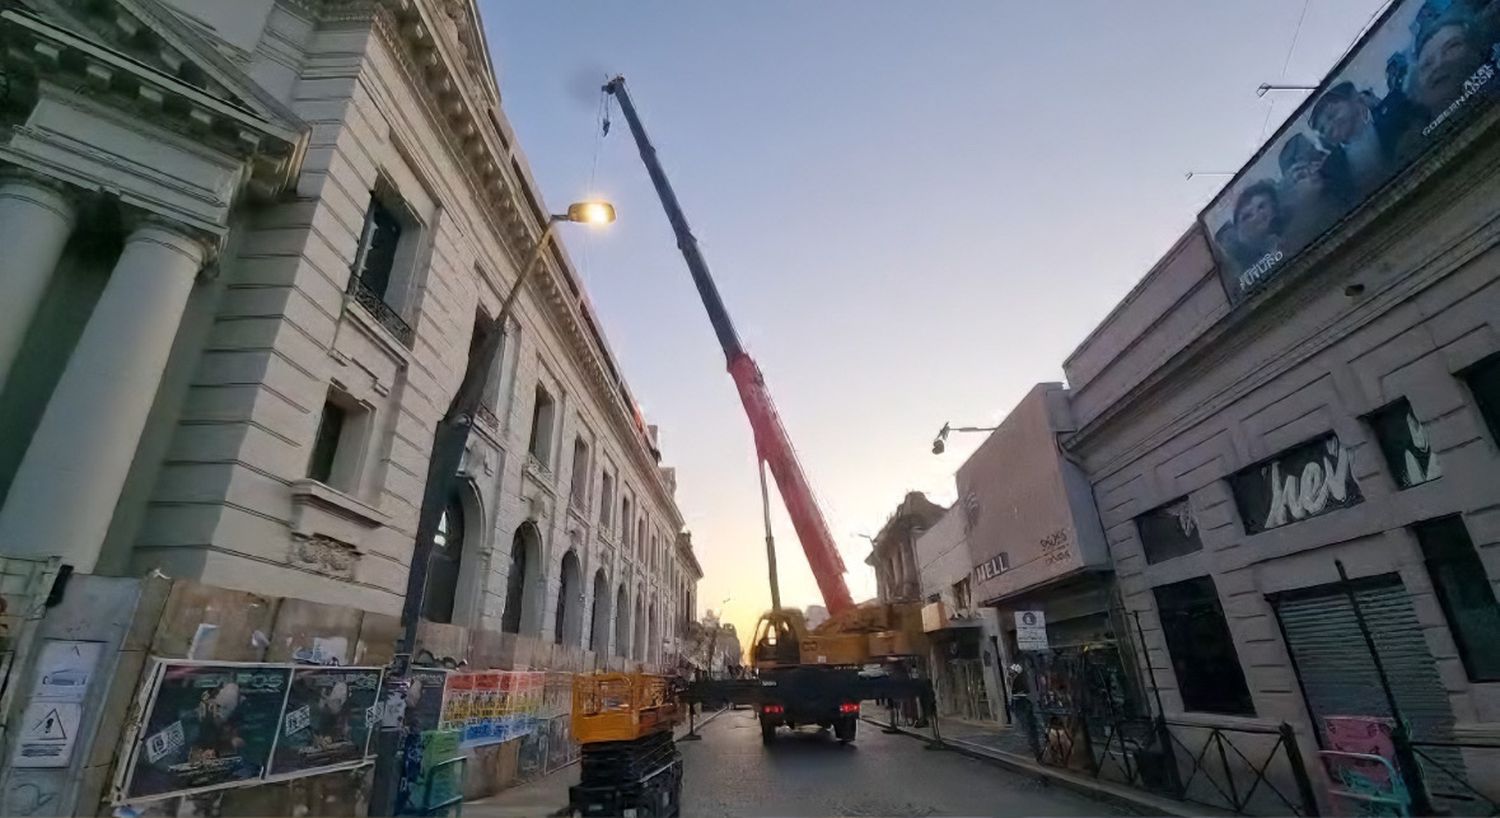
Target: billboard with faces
{"points": [[1424, 68]]}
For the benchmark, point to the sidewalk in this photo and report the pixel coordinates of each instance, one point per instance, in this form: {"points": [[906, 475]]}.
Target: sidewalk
{"points": [[548, 794], [1008, 747]]}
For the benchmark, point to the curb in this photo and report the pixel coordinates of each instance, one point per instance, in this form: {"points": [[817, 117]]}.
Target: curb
{"points": [[1132, 799]]}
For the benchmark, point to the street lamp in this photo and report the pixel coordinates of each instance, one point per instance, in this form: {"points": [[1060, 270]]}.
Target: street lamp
{"points": [[449, 441], [939, 443], [1271, 86], [453, 430]]}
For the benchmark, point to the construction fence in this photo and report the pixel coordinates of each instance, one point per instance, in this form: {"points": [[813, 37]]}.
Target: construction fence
{"points": [[169, 697]]}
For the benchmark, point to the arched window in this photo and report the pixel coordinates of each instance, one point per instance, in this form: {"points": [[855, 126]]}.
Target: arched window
{"points": [[622, 623], [653, 634], [599, 616], [443, 563], [523, 569], [639, 651], [567, 627]]}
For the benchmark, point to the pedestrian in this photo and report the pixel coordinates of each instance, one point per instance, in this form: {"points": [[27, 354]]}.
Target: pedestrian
{"points": [[1021, 706]]}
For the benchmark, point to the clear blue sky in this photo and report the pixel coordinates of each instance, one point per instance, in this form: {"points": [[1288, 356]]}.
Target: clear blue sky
{"points": [[914, 212]]}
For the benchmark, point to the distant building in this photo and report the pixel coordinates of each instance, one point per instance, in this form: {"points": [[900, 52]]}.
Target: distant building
{"points": [[893, 555]]}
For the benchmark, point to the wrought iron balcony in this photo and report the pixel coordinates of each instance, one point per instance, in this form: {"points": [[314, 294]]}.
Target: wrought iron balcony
{"points": [[384, 313]]}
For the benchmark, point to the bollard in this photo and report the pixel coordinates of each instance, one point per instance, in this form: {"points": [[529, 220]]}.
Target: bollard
{"points": [[692, 733]]}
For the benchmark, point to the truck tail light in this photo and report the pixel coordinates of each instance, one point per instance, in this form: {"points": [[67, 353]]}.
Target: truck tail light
{"points": [[772, 708], [849, 707]]}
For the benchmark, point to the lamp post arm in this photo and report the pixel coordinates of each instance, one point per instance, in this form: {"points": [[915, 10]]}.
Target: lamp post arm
{"points": [[449, 441]]}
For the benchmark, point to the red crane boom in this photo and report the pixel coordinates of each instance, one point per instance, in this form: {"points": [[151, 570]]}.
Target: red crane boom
{"points": [[772, 444]]}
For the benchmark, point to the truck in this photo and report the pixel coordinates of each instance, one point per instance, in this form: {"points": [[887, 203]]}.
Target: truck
{"points": [[802, 676]]}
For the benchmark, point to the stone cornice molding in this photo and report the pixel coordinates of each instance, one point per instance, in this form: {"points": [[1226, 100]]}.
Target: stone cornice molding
{"points": [[458, 102], [272, 150]]}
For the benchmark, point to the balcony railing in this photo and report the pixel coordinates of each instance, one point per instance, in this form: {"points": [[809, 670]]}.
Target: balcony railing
{"points": [[384, 313]]}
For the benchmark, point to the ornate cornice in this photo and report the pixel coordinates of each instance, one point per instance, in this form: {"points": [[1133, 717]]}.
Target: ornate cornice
{"points": [[34, 46], [458, 101]]}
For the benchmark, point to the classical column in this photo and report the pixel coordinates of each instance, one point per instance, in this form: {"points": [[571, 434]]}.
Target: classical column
{"points": [[64, 493], [36, 218]]}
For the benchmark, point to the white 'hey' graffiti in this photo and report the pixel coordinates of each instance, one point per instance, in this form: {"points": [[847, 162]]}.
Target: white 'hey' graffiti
{"points": [[1294, 499]]}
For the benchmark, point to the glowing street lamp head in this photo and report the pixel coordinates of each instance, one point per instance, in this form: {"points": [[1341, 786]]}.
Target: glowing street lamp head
{"points": [[591, 212]]}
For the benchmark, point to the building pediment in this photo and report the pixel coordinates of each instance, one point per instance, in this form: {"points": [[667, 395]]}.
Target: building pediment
{"points": [[134, 56]]}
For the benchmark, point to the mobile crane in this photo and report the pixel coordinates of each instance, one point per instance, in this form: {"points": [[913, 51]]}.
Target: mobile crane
{"points": [[804, 677]]}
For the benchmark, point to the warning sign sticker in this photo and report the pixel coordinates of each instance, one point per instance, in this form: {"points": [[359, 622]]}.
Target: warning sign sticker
{"points": [[48, 730]]}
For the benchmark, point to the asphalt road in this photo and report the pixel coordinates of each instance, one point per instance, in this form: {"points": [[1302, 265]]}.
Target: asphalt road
{"points": [[806, 773]]}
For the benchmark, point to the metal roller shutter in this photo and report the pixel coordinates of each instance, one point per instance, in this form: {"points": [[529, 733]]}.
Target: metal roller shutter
{"points": [[1337, 674]]}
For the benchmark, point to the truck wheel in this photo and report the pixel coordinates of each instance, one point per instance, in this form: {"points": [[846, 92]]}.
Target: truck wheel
{"points": [[767, 732], [844, 730]]}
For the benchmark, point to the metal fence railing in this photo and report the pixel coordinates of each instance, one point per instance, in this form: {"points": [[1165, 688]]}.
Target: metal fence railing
{"points": [[1243, 770]]}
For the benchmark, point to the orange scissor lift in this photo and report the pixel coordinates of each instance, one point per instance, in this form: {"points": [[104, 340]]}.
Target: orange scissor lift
{"points": [[629, 764]]}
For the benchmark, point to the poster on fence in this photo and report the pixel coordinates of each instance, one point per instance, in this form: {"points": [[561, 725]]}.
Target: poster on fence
{"points": [[1361, 762], [424, 698], [561, 749], [442, 779], [483, 725], [491, 706], [457, 697], [328, 719], [206, 725], [531, 759]]}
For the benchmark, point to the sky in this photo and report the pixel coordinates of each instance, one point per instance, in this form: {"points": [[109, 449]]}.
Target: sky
{"points": [[914, 212]]}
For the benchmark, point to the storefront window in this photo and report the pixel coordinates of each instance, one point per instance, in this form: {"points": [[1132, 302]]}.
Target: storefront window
{"points": [[1464, 591], [1484, 380], [1207, 667], [1168, 531], [1404, 441]]}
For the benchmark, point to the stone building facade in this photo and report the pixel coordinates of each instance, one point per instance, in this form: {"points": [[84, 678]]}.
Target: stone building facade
{"points": [[893, 552], [246, 247], [1344, 415]]}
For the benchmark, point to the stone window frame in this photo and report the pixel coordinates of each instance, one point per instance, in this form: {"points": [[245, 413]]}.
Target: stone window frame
{"points": [[608, 493], [417, 214], [351, 457]]}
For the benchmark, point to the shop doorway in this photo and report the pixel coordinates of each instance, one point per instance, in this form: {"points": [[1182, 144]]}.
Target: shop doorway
{"points": [[1333, 664], [960, 679]]}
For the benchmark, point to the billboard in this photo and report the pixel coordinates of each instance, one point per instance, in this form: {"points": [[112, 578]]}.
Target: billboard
{"points": [[1425, 67]]}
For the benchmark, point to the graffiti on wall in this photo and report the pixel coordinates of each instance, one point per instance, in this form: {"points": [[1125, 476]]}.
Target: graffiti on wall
{"points": [[1307, 480], [1406, 445], [1360, 761], [491, 706], [1055, 547]]}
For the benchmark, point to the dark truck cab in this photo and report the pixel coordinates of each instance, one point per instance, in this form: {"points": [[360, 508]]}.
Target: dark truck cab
{"points": [[798, 695], [809, 694]]}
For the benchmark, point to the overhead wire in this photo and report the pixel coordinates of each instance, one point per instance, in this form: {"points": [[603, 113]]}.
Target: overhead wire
{"points": [[601, 127], [1285, 64]]}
